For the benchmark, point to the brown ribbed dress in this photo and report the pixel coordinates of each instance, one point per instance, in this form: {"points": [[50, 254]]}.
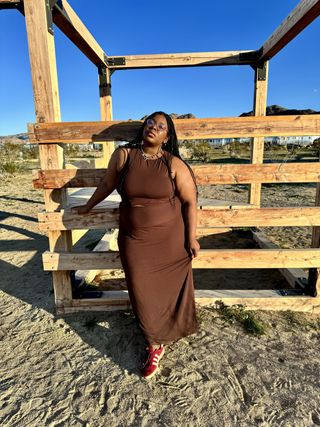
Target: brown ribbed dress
{"points": [[151, 243]]}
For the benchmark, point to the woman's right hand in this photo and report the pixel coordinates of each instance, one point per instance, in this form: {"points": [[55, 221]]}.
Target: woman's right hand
{"points": [[80, 209]]}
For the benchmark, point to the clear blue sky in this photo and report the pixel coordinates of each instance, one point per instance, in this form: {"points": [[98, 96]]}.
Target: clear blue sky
{"points": [[143, 27]]}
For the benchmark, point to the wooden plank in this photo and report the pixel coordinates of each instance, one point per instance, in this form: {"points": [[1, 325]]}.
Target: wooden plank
{"points": [[43, 62], [114, 297], [69, 221], [257, 173], [62, 310], [106, 114], [314, 273], [53, 261], [207, 258], [47, 108], [254, 217], [104, 78], [303, 304], [191, 59], [259, 217], [253, 300], [230, 127], [259, 109], [260, 300], [205, 175], [68, 178], [302, 15]]}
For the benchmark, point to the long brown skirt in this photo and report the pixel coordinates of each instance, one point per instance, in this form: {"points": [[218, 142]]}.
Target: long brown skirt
{"points": [[158, 268]]}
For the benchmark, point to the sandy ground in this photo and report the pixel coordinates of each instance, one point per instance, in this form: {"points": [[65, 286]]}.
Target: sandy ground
{"points": [[83, 370]]}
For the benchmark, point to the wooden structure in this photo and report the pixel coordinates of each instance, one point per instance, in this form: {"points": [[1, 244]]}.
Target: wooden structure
{"points": [[51, 134]]}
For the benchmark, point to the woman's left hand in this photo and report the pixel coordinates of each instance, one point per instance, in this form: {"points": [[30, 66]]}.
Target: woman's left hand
{"points": [[193, 248]]}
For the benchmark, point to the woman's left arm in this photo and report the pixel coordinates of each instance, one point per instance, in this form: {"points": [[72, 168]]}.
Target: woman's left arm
{"points": [[186, 191]]}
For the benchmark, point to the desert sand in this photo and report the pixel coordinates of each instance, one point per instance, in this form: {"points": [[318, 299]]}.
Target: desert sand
{"points": [[83, 369]]}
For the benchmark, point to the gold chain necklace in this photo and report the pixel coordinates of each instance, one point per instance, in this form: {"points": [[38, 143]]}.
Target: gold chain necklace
{"points": [[150, 156]]}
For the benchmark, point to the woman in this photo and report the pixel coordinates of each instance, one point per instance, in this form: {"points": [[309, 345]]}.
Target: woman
{"points": [[157, 232]]}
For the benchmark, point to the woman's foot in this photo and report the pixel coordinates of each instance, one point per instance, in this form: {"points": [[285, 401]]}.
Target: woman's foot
{"points": [[151, 365]]}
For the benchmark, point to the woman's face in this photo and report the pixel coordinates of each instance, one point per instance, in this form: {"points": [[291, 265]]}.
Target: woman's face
{"points": [[155, 131]]}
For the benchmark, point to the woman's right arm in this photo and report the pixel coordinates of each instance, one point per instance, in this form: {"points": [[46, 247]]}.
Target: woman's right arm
{"points": [[107, 184]]}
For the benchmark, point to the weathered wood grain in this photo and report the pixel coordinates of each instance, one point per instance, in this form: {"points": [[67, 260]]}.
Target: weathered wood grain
{"points": [[253, 217], [230, 127], [207, 258], [205, 175], [191, 59]]}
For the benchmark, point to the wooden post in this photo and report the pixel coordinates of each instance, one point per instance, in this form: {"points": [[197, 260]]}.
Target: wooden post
{"points": [[47, 109], [259, 109], [314, 273], [105, 113]]}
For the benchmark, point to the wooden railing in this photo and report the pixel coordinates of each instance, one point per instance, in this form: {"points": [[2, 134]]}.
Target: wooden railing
{"points": [[207, 216], [230, 127]]}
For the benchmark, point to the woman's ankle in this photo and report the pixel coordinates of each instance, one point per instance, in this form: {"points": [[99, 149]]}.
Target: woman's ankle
{"points": [[155, 346]]}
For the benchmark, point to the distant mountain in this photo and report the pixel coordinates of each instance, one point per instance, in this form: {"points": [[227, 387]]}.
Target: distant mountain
{"points": [[277, 110], [19, 138], [175, 116]]}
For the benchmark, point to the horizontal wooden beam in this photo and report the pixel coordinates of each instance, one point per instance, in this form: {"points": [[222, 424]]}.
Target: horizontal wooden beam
{"points": [[230, 127], [266, 173], [53, 261], [205, 174], [259, 217], [258, 301], [303, 14], [108, 218], [67, 178], [253, 217], [207, 258], [192, 59]]}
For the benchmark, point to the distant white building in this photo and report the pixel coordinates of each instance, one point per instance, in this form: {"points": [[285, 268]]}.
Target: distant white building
{"points": [[272, 140], [296, 140]]}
